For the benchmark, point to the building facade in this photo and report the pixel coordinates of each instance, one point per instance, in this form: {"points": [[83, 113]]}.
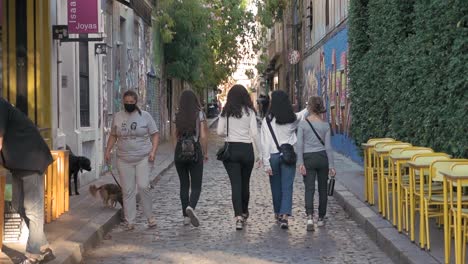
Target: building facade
{"points": [[325, 66], [71, 89]]}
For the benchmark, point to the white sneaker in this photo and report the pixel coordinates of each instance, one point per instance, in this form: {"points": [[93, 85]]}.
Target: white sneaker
{"points": [[186, 220], [193, 217], [310, 224], [151, 222], [320, 222]]}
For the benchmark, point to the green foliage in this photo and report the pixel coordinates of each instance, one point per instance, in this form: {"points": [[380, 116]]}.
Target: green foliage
{"points": [[205, 40], [270, 11], [408, 72]]}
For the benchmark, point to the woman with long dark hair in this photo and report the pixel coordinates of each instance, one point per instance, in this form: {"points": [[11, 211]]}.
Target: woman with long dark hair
{"points": [[238, 122], [137, 138], [283, 122], [315, 159], [190, 144]]}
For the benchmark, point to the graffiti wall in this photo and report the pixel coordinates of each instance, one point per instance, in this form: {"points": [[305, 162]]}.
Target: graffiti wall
{"points": [[326, 75]]}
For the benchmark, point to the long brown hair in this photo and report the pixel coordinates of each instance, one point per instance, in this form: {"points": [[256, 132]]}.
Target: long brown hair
{"points": [[238, 99], [189, 109], [315, 105]]}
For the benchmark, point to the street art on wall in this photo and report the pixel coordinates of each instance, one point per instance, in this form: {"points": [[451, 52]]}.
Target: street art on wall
{"points": [[326, 75]]}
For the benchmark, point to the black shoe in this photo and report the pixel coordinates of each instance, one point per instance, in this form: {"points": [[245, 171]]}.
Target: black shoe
{"points": [[239, 224], [284, 224]]}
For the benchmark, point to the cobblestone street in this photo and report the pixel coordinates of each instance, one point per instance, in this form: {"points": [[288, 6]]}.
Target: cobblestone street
{"points": [[217, 241]]}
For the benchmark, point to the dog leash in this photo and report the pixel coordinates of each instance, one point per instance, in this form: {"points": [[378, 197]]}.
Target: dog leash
{"points": [[113, 176]]}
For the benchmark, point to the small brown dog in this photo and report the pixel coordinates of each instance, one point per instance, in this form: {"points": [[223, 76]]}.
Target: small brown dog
{"points": [[110, 194]]}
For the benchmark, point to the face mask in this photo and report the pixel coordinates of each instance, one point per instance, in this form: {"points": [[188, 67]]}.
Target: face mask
{"points": [[130, 107]]}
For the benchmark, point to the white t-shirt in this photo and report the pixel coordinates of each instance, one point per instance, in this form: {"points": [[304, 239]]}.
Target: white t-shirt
{"points": [[243, 130], [133, 132], [285, 134]]}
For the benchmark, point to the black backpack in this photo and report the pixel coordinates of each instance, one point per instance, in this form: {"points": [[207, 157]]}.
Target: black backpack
{"points": [[188, 148]]}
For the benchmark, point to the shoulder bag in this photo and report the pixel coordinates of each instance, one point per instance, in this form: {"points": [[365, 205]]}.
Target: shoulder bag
{"points": [[288, 155], [223, 153]]}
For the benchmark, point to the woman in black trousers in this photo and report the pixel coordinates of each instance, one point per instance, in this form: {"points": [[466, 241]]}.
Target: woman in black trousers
{"points": [[238, 122], [191, 130]]}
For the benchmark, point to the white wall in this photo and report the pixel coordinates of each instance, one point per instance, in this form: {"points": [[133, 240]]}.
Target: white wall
{"points": [[84, 141]]}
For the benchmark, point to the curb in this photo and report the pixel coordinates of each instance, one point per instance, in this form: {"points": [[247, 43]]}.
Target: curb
{"points": [[397, 246], [72, 249]]}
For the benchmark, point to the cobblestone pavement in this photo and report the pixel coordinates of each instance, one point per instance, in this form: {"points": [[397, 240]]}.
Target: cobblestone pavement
{"points": [[217, 241]]}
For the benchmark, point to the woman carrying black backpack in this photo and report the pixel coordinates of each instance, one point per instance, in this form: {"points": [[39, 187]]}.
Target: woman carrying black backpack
{"points": [[190, 140]]}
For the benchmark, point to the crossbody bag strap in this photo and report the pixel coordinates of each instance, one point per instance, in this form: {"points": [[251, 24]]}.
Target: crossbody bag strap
{"points": [[273, 134], [315, 132], [227, 126]]}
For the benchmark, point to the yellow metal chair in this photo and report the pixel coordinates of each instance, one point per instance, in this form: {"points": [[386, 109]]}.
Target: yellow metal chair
{"points": [[380, 152], [405, 184], [420, 168], [393, 175], [386, 176], [438, 200], [369, 168], [458, 178]]}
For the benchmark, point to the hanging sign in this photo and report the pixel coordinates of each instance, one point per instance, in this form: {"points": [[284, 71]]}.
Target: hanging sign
{"points": [[83, 16], [294, 57]]}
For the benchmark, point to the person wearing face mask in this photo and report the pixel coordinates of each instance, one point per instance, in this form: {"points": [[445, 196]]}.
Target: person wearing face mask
{"points": [[137, 137]]}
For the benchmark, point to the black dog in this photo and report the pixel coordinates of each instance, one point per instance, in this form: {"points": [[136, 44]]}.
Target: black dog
{"points": [[76, 164]]}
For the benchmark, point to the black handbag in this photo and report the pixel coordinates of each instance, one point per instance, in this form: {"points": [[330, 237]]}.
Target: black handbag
{"points": [[223, 153], [288, 155]]}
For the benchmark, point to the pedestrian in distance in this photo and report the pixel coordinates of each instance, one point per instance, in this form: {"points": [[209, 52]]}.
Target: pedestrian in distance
{"points": [[26, 155], [315, 159], [137, 137], [238, 123], [278, 137], [190, 139]]}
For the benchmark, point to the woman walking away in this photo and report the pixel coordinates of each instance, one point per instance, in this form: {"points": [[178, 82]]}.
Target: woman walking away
{"points": [[315, 159], [238, 122], [190, 141], [278, 132], [137, 139]]}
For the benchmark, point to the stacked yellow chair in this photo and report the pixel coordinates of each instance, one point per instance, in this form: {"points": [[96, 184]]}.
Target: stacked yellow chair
{"points": [[420, 168], [458, 180], [370, 172], [382, 151], [405, 184], [436, 199]]}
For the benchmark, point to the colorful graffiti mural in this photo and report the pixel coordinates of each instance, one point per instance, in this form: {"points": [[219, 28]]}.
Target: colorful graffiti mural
{"points": [[326, 75]]}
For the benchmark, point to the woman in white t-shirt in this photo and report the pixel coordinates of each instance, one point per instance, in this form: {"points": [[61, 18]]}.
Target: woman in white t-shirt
{"points": [[137, 137], [238, 122], [284, 123]]}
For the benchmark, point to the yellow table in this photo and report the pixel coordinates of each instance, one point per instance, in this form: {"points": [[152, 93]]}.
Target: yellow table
{"points": [[459, 180]]}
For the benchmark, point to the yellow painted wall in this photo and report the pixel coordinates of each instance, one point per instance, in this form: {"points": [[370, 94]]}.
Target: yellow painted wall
{"points": [[39, 47]]}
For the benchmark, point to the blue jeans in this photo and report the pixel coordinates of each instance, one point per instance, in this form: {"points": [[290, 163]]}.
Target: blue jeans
{"points": [[281, 183], [28, 200]]}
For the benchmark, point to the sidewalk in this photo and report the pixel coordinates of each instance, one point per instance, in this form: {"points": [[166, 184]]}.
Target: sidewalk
{"points": [[87, 221], [84, 226], [349, 191]]}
